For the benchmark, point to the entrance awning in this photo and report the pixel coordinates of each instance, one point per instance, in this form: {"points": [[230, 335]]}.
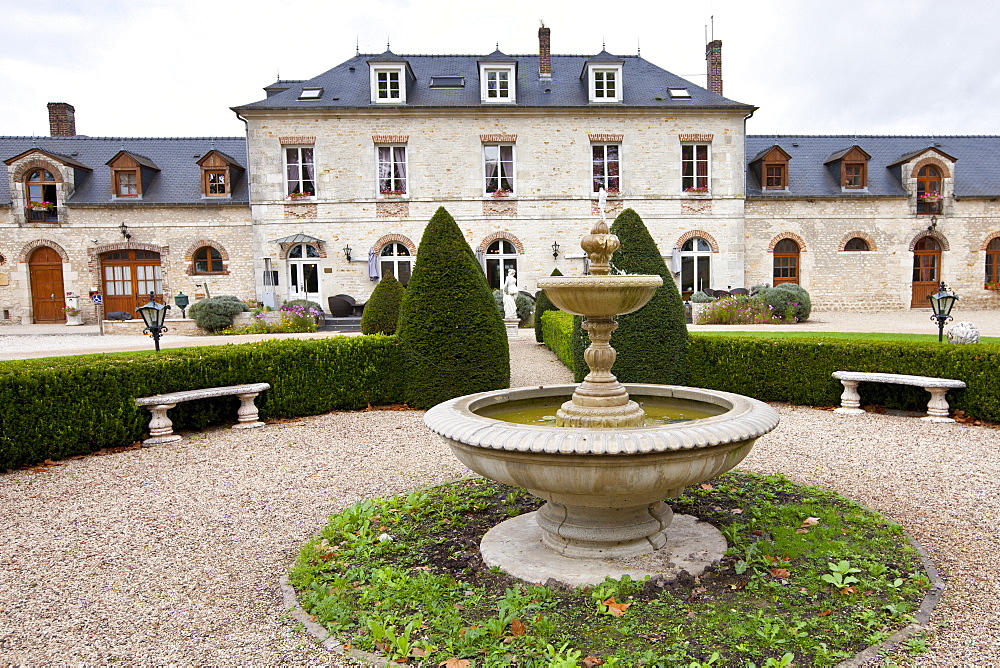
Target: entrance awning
{"points": [[299, 239]]}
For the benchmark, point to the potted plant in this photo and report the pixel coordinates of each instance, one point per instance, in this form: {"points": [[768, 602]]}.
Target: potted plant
{"points": [[992, 285], [41, 206], [74, 316], [501, 192], [930, 196], [298, 196], [392, 194], [697, 190], [698, 300]]}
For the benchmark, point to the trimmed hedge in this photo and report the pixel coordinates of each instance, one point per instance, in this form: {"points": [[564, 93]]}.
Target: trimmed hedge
{"points": [[557, 332], [799, 371], [381, 314], [61, 406], [453, 337]]}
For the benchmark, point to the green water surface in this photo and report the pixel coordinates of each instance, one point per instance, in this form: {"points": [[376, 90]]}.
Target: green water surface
{"points": [[542, 411]]}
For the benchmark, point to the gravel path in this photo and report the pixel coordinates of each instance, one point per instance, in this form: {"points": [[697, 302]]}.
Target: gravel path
{"points": [[172, 554]]}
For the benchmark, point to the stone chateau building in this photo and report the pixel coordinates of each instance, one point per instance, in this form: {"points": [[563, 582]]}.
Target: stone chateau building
{"points": [[338, 175]]}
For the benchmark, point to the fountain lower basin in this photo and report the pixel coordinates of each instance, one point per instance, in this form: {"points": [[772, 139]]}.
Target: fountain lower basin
{"points": [[604, 487]]}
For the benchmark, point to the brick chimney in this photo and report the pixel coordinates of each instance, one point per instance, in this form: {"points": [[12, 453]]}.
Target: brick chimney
{"points": [[544, 52], [713, 54], [62, 119]]}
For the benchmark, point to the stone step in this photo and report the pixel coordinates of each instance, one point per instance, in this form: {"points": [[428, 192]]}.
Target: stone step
{"points": [[348, 324]]}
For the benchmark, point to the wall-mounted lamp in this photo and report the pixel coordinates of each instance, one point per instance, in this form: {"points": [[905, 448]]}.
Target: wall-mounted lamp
{"points": [[124, 230], [933, 225], [555, 249], [347, 253]]}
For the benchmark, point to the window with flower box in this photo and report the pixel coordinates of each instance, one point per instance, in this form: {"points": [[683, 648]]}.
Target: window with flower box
{"points": [[40, 187], [606, 162], [300, 175], [929, 196], [695, 168], [498, 169], [391, 170]]}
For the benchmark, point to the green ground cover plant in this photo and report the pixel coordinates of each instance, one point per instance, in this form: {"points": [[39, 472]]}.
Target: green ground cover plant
{"points": [[810, 578]]}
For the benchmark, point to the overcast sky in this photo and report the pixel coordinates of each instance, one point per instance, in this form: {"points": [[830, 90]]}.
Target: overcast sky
{"points": [[174, 67]]}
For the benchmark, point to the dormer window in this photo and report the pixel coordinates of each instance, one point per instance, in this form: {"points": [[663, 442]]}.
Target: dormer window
{"points": [[126, 183], [850, 167], [771, 168], [218, 171], [130, 175], [216, 183], [388, 82], [498, 82], [604, 80]]}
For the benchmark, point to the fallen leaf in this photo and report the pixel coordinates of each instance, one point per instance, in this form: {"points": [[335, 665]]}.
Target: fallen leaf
{"points": [[802, 531], [517, 627], [695, 593], [848, 590], [736, 511], [780, 572], [419, 653], [591, 661], [706, 486], [756, 532], [824, 613], [615, 608], [455, 662], [810, 521]]}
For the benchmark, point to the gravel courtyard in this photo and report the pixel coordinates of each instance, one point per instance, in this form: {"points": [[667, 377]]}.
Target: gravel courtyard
{"points": [[172, 554]]}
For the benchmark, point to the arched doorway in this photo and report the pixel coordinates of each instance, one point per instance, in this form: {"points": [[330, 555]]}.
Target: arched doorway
{"points": [[47, 295], [696, 266], [129, 276], [926, 271], [501, 255], [303, 272]]}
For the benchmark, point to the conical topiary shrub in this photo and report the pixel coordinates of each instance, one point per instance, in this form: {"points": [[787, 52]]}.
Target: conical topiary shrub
{"points": [[652, 342], [454, 340], [542, 304], [381, 314]]}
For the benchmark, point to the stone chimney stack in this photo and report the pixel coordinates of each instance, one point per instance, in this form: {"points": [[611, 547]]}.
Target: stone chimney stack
{"points": [[713, 54], [62, 119], [544, 52]]}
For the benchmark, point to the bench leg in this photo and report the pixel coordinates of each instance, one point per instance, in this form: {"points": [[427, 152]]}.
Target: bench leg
{"points": [[850, 400], [161, 429], [247, 414], [937, 407]]}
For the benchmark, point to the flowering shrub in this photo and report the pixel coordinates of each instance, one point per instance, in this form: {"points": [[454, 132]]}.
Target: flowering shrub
{"points": [[992, 285], [742, 310], [294, 318], [930, 196]]}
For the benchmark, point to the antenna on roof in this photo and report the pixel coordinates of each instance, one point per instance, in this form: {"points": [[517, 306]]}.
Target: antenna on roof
{"points": [[357, 45], [638, 48], [387, 43], [278, 72], [711, 18], [603, 44]]}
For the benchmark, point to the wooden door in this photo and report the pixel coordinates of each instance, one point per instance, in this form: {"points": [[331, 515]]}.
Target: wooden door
{"points": [[47, 296], [129, 276], [926, 271]]}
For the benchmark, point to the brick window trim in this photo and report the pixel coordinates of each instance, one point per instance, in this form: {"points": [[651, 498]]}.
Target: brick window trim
{"points": [[698, 138], [25, 168], [395, 239], [297, 141], [872, 246], [605, 138], [787, 235], [502, 234], [390, 139], [986, 242], [29, 247], [498, 138], [937, 236], [692, 234], [936, 162]]}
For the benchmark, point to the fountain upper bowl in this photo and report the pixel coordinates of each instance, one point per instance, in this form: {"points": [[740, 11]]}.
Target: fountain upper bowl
{"points": [[600, 296]]}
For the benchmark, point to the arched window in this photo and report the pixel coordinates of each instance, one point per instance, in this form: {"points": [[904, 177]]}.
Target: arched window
{"points": [[696, 266], [993, 263], [501, 255], [207, 260], [786, 262], [929, 190], [40, 187], [855, 244], [395, 259]]}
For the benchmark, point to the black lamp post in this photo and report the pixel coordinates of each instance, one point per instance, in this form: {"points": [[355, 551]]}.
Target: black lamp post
{"points": [[153, 315], [182, 301], [942, 302], [555, 249]]}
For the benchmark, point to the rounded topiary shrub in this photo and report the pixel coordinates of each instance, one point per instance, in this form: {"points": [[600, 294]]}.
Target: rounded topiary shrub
{"points": [[453, 338], [524, 306], [788, 300], [700, 297], [652, 342], [381, 314], [542, 304], [216, 313]]}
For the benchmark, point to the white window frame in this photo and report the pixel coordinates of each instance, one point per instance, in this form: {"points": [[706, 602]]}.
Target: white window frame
{"points": [[513, 167], [701, 249], [394, 259], [604, 70], [605, 177], [500, 262], [694, 160], [406, 168], [388, 70], [285, 164], [485, 69]]}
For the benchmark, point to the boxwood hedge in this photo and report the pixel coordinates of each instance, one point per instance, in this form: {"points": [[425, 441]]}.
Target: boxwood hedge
{"points": [[56, 407]]}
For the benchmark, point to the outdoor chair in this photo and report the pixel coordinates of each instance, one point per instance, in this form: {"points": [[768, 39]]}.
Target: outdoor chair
{"points": [[340, 307], [739, 291]]}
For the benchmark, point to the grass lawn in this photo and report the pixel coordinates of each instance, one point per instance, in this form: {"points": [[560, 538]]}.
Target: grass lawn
{"points": [[850, 336]]}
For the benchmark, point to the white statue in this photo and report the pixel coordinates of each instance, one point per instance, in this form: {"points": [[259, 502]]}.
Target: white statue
{"points": [[510, 291], [963, 332]]}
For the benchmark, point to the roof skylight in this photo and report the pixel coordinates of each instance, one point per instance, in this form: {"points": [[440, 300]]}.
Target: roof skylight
{"points": [[447, 82], [679, 93], [311, 93]]}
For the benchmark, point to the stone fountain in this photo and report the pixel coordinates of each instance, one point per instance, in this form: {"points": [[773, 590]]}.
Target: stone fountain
{"points": [[603, 473]]}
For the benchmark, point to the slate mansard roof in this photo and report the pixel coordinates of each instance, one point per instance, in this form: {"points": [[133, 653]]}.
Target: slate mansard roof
{"points": [[177, 181], [977, 163], [347, 86]]}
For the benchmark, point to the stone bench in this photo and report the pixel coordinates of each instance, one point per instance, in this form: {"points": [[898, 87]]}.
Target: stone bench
{"points": [[161, 429], [937, 407]]}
